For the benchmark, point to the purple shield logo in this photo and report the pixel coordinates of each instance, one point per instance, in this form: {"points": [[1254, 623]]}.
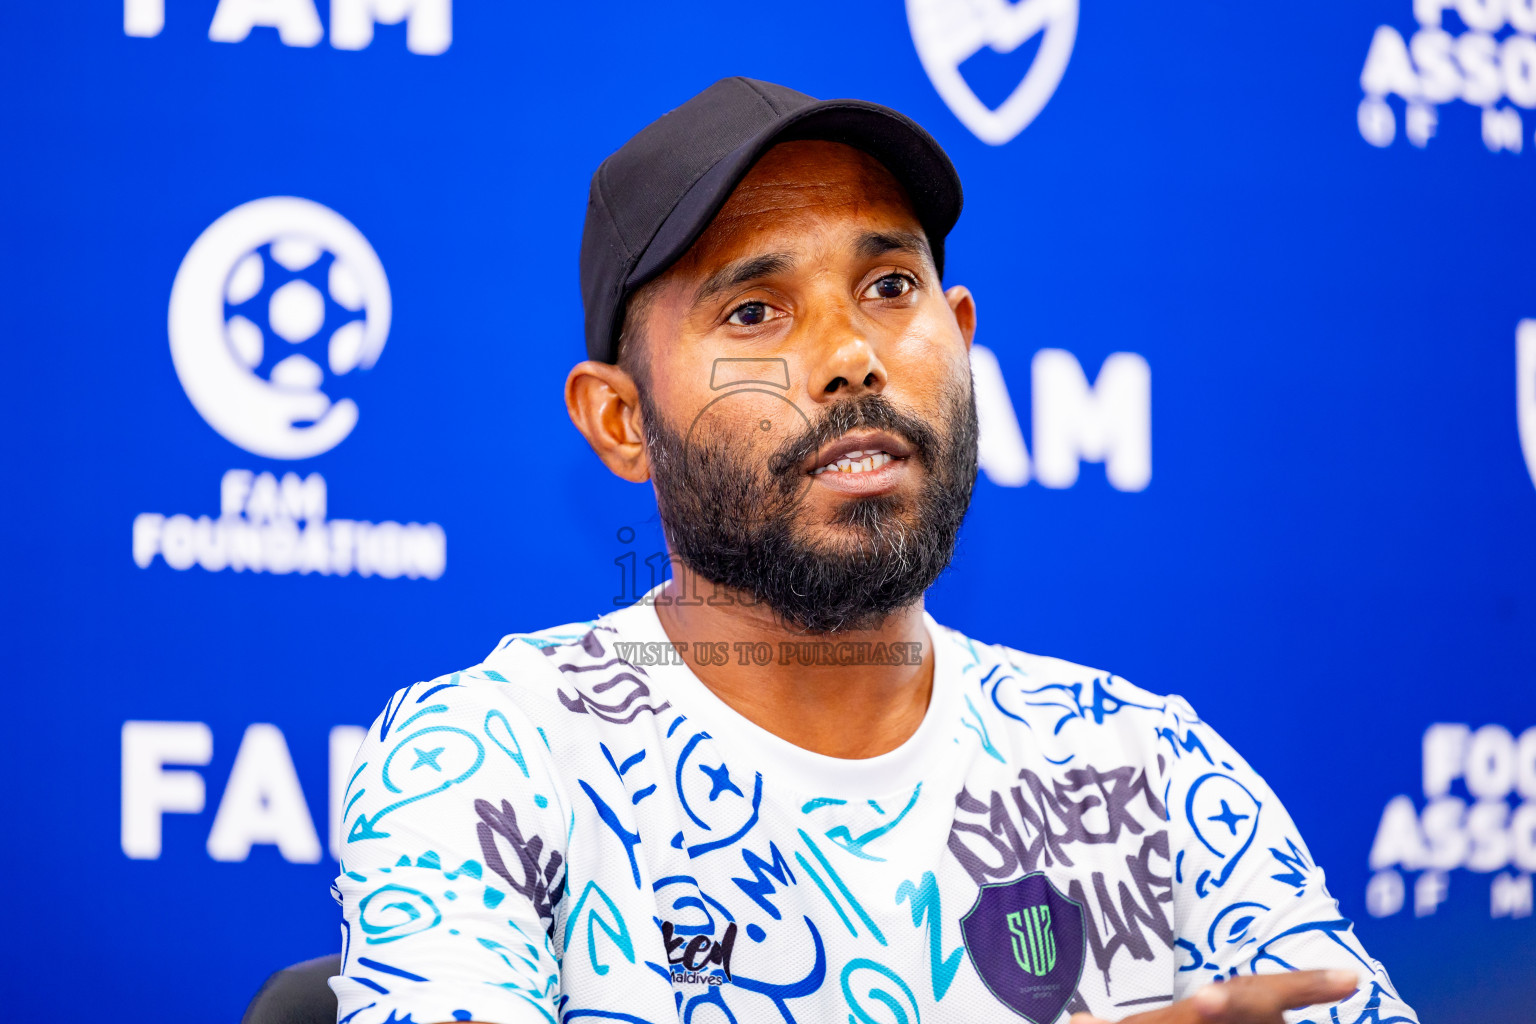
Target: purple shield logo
{"points": [[1028, 943]]}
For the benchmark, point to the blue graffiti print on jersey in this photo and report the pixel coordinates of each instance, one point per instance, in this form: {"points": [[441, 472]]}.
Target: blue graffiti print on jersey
{"points": [[559, 834]]}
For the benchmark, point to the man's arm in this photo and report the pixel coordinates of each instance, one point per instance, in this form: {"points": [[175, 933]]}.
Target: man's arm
{"points": [[1248, 898], [452, 857], [1255, 999]]}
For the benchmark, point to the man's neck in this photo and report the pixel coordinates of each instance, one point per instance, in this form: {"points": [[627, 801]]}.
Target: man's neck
{"points": [[851, 694]]}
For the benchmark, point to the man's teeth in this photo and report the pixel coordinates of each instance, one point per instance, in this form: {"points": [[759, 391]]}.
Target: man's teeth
{"points": [[855, 462]]}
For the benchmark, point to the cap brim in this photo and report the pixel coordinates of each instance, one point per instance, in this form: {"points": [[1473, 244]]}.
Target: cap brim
{"points": [[898, 142]]}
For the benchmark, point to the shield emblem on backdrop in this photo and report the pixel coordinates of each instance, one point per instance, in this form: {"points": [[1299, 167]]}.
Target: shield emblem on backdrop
{"points": [[947, 33], [1028, 942]]}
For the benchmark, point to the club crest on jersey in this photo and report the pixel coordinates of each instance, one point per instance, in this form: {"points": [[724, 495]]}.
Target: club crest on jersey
{"points": [[1029, 943]]}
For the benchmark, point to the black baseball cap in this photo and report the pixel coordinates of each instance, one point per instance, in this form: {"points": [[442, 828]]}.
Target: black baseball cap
{"points": [[654, 197]]}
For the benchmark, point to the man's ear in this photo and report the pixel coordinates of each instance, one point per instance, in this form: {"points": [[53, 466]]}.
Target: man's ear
{"points": [[604, 403], [964, 307]]}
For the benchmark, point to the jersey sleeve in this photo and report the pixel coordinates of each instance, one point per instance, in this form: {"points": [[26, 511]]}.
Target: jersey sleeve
{"points": [[453, 840], [1248, 897]]}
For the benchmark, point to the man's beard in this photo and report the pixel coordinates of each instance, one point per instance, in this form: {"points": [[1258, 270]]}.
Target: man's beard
{"points": [[736, 522]]}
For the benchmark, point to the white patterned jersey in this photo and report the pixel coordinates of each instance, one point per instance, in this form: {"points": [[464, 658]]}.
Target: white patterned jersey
{"points": [[578, 828]]}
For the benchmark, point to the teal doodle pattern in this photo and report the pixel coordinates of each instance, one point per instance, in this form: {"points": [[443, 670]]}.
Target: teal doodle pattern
{"points": [[928, 913], [843, 836]]}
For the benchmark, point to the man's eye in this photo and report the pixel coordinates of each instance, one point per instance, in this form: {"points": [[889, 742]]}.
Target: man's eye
{"points": [[891, 286], [749, 314]]}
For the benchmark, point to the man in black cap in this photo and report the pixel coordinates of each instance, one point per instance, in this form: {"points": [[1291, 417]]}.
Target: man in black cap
{"points": [[776, 789]]}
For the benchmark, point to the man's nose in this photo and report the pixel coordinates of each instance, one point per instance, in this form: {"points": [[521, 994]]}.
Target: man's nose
{"points": [[849, 366]]}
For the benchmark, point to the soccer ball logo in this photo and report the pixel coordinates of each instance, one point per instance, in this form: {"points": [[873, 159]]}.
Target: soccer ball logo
{"points": [[306, 298], [274, 305]]}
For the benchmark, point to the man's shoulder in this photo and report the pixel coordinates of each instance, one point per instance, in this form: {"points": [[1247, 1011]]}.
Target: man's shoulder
{"points": [[522, 665], [540, 653], [1065, 695], [576, 673]]}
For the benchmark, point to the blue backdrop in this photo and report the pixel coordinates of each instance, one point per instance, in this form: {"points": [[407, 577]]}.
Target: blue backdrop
{"points": [[1302, 232]]}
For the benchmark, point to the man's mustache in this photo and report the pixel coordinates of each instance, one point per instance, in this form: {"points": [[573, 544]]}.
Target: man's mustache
{"points": [[869, 412]]}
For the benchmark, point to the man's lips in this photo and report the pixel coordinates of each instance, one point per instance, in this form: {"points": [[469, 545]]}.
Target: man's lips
{"points": [[861, 462], [860, 443]]}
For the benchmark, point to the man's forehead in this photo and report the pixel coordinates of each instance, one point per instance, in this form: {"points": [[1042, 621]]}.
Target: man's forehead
{"points": [[797, 186], [806, 174]]}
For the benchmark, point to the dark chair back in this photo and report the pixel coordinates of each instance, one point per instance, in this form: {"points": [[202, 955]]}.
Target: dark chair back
{"points": [[297, 995]]}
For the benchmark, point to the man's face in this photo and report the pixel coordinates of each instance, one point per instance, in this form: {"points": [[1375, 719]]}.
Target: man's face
{"points": [[806, 393]]}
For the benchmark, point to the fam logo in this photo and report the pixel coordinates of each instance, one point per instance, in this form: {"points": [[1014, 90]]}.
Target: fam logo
{"points": [[1074, 420], [429, 23], [957, 43], [262, 802], [277, 305], [270, 297], [1029, 945], [1482, 52]]}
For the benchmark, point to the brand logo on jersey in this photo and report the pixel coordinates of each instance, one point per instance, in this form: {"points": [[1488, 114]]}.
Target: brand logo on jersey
{"points": [[274, 304], [699, 960], [1029, 944], [948, 35], [1034, 946]]}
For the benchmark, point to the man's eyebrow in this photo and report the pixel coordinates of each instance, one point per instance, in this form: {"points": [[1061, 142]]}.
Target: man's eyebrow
{"points": [[741, 271], [878, 243]]}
